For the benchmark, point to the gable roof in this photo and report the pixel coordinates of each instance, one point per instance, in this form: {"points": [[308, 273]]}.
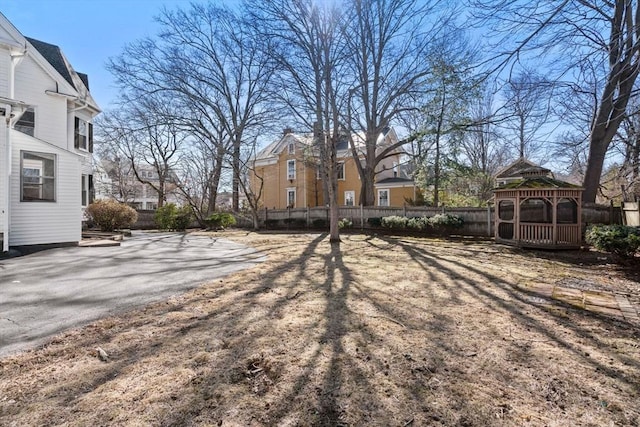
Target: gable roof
{"points": [[522, 167]]}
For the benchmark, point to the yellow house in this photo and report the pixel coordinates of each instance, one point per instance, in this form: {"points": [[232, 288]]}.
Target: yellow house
{"points": [[285, 174]]}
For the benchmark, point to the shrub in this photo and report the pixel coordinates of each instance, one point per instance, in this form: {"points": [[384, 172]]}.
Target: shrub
{"points": [[183, 218], [110, 215], [394, 222], [446, 221], [345, 223], [171, 217], [220, 220], [319, 223], [418, 223], [618, 239]]}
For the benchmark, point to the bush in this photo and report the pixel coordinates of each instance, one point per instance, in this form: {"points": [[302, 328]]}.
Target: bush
{"points": [[446, 221], [618, 239], [345, 223], [110, 215], [418, 223], [183, 218], [171, 217], [220, 220], [394, 222]]}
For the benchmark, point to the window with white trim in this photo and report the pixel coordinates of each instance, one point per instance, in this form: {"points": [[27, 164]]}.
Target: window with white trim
{"points": [[83, 135], [340, 167], [291, 197], [87, 190], [292, 148], [291, 169], [383, 197], [37, 177], [349, 198]]}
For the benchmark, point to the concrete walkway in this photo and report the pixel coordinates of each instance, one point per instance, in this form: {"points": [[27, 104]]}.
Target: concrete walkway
{"points": [[47, 292], [601, 302]]}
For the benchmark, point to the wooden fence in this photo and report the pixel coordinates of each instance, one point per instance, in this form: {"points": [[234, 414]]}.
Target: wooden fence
{"points": [[477, 221]]}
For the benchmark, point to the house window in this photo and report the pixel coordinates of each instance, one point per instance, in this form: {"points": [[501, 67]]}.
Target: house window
{"points": [[291, 197], [85, 190], [291, 169], [349, 198], [340, 167], [383, 197], [292, 148], [88, 191], [37, 177], [83, 135], [27, 122]]}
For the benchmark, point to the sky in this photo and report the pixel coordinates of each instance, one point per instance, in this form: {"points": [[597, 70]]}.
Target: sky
{"points": [[89, 32]]}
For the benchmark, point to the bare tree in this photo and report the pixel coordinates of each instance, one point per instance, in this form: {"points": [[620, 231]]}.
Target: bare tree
{"points": [[143, 133], [388, 43], [528, 111], [569, 33], [206, 59], [482, 147], [310, 57]]}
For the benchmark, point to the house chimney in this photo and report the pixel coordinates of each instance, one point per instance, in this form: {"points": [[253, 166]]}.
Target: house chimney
{"points": [[287, 131]]}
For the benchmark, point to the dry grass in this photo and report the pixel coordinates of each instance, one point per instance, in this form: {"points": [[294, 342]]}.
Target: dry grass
{"points": [[377, 331]]}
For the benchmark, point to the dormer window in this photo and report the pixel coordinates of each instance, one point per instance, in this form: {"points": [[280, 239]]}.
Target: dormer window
{"points": [[83, 135]]}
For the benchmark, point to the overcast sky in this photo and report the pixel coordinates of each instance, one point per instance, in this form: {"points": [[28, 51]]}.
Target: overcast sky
{"points": [[88, 31]]}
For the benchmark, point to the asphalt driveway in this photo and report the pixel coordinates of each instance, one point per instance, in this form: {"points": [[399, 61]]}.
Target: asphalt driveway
{"points": [[47, 292]]}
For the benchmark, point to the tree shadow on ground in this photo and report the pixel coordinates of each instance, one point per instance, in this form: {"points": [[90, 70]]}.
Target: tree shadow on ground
{"points": [[315, 339]]}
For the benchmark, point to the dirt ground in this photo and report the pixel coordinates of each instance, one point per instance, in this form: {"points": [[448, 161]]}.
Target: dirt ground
{"points": [[376, 331]]}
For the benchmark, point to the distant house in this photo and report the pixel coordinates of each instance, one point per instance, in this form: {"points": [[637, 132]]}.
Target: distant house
{"points": [[287, 174], [46, 144], [117, 180]]}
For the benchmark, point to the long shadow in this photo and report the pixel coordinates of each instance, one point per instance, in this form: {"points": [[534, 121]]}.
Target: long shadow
{"points": [[240, 328], [495, 302]]}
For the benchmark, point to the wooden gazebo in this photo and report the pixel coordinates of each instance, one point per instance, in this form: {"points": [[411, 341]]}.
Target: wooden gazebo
{"points": [[536, 210]]}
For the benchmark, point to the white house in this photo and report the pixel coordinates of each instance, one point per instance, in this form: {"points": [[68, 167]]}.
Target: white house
{"points": [[46, 140]]}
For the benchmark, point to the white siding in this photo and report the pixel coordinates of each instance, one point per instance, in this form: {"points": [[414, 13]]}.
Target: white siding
{"points": [[46, 222], [4, 72], [31, 82]]}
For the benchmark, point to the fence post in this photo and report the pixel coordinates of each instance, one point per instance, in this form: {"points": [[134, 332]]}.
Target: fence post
{"points": [[488, 220], [288, 217], [308, 217]]}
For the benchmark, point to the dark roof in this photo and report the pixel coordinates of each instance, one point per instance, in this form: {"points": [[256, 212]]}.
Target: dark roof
{"points": [[53, 55], [393, 180], [537, 182], [84, 78]]}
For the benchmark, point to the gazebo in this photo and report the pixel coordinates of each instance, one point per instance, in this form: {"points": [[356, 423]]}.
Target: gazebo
{"points": [[535, 210]]}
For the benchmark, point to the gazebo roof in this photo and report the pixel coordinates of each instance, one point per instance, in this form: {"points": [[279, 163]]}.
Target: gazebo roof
{"points": [[537, 182], [522, 167]]}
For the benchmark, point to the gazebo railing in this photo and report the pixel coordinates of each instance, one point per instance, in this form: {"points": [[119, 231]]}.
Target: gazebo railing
{"points": [[538, 234]]}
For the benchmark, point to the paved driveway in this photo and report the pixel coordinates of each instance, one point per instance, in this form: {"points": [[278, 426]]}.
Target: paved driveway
{"points": [[50, 291]]}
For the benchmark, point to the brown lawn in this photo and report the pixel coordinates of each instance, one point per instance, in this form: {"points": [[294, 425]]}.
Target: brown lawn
{"points": [[378, 331]]}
